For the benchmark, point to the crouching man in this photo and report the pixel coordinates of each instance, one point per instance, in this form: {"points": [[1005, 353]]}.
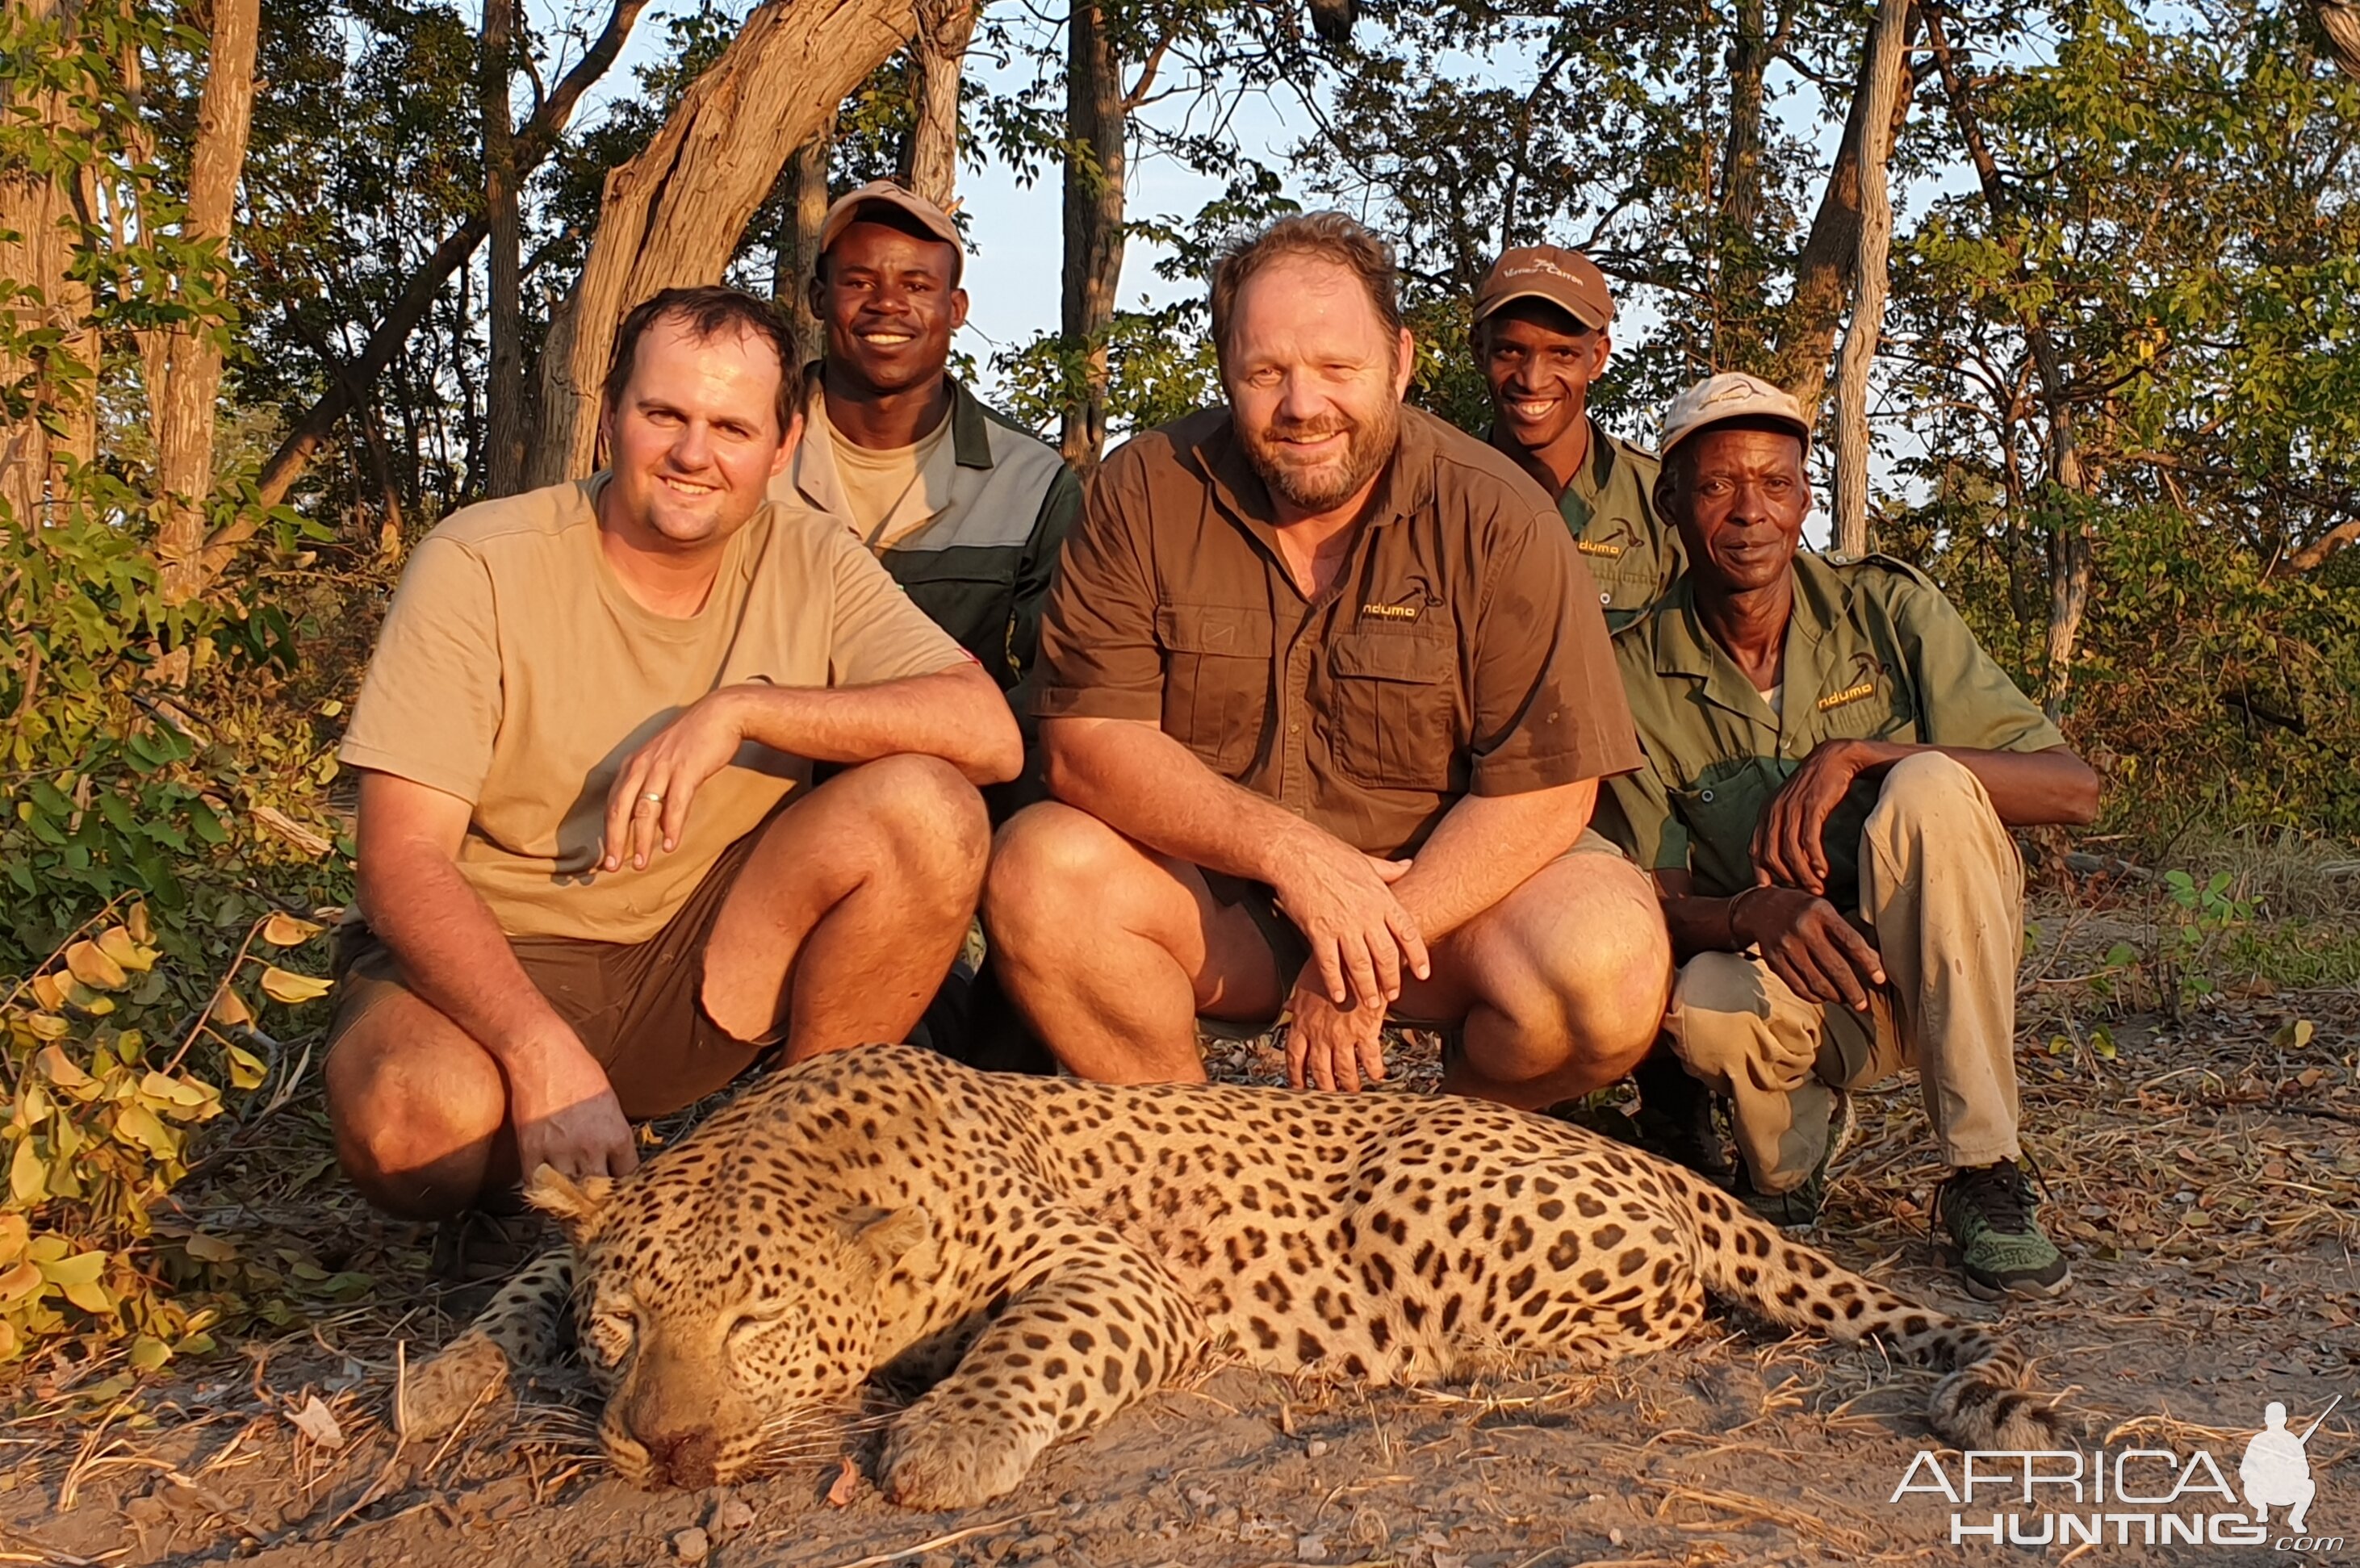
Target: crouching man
{"points": [[595, 880], [1832, 767], [1326, 696]]}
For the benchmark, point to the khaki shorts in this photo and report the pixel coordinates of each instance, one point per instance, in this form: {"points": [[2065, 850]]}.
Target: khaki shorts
{"points": [[637, 1006], [1287, 948]]}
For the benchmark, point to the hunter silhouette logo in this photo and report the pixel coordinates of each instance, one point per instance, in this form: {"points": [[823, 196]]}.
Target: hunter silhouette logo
{"points": [[2275, 1471]]}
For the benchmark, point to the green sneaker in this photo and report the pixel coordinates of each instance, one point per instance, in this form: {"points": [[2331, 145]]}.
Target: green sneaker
{"points": [[1988, 1210], [1798, 1208]]}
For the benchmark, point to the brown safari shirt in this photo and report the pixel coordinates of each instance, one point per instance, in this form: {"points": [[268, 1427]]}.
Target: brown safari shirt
{"points": [[1460, 649]]}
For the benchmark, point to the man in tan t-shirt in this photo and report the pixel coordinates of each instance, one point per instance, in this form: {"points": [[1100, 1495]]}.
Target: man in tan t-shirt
{"points": [[597, 881], [1326, 696]]}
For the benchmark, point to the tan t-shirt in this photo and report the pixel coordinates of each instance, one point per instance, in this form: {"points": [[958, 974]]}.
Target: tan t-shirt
{"points": [[876, 479], [515, 671]]}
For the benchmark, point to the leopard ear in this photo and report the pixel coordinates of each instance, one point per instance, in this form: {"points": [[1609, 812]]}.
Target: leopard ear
{"points": [[573, 1205], [887, 1234]]}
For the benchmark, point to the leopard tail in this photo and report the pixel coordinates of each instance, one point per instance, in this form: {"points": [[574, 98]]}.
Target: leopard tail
{"points": [[1981, 1401]]}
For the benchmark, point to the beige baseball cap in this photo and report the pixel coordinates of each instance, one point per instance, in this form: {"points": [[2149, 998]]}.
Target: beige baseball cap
{"points": [[1566, 278], [1732, 395], [849, 208]]}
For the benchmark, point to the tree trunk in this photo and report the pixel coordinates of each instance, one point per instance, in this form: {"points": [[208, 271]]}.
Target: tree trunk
{"points": [[1737, 294], [534, 143], [673, 214], [1095, 123], [938, 57], [506, 415], [180, 404], [1886, 52], [2071, 552], [798, 251], [36, 255], [1823, 268]]}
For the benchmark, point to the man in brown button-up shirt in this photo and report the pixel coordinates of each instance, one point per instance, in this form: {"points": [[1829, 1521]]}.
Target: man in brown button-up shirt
{"points": [[1326, 696]]}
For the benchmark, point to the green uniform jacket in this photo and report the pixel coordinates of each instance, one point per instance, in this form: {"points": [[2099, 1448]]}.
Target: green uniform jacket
{"points": [[1874, 652], [980, 566], [1610, 507]]}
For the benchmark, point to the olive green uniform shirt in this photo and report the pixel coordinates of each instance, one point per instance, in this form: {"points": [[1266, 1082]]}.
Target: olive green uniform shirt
{"points": [[1610, 509], [1874, 652]]}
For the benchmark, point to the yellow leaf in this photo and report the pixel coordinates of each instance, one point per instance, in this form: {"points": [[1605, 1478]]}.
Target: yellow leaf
{"points": [[209, 1248], [147, 1353], [14, 1232], [91, 1298], [86, 1001], [117, 943], [174, 1091], [28, 1177], [82, 1268], [135, 1123], [60, 1070], [283, 929], [288, 988], [48, 1026], [48, 992], [230, 1010], [19, 1281], [7, 1340], [140, 931], [246, 1070], [95, 968]]}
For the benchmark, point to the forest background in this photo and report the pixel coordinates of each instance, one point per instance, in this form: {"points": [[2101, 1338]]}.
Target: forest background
{"points": [[282, 283]]}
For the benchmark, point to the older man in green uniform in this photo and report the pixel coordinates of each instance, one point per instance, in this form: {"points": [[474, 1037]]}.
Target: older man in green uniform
{"points": [[1833, 764], [1541, 336]]}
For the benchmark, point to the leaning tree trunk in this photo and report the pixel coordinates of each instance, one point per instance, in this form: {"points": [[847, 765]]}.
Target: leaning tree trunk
{"points": [[797, 257], [938, 58], [1095, 123], [506, 418], [673, 214], [182, 398], [53, 375], [1823, 268], [1887, 40]]}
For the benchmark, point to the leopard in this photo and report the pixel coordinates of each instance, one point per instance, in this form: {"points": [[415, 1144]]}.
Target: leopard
{"points": [[1037, 1254]]}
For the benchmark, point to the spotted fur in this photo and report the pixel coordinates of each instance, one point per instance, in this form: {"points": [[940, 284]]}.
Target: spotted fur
{"points": [[1046, 1252]]}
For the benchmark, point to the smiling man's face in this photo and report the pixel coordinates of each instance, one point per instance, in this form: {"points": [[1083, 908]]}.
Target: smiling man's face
{"points": [[694, 438], [1538, 362], [889, 305], [1739, 497]]}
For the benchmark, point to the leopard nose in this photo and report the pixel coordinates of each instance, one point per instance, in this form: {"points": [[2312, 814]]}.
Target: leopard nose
{"points": [[685, 1459]]}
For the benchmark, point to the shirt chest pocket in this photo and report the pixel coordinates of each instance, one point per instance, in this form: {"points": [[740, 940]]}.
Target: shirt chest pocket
{"points": [[1720, 814], [1397, 702], [1216, 680], [1869, 709]]}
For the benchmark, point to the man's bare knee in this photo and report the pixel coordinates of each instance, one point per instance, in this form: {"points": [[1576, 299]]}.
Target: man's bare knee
{"points": [[926, 825], [1051, 865], [414, 1110]]}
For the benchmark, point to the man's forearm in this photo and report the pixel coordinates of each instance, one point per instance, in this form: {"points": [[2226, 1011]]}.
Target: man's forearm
{"points": [[2027, 789], [1485, 848], [957, 715], [1149, 788], [1699, 925], [454, 953]]}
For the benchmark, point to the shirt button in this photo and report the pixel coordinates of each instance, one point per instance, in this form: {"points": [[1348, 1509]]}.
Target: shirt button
{"points": [[1606, 598], [1706, 796], [1294, 729]]}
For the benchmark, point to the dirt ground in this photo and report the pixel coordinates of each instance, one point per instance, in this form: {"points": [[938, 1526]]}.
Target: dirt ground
{"points": [[2203, 1173]]}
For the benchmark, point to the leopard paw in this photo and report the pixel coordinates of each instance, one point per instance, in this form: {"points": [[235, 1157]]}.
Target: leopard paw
{"points": [[471, 1372], [936, 1463]]}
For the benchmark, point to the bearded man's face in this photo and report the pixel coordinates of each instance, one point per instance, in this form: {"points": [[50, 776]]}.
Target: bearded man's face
{"points": [[1315, 382]]}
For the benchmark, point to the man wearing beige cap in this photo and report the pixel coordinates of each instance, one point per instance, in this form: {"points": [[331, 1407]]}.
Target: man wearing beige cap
{"points": [[965, 508], [1832, 767], [1541, 321]]}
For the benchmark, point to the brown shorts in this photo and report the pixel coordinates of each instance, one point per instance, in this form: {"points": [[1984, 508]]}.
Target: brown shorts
{"points": [[1287, 948], [638, 1007]]}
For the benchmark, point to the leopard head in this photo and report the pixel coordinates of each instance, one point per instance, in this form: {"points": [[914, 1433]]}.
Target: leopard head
{"points": [[731, 1323]]}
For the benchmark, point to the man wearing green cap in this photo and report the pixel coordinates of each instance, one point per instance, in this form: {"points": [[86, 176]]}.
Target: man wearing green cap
{"points": [[1832, 767], [1541, 321]]}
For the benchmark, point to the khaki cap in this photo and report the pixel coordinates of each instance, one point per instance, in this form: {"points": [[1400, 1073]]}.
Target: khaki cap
{"points": [[847, 210], [1566, 278], [1732, 395]]}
